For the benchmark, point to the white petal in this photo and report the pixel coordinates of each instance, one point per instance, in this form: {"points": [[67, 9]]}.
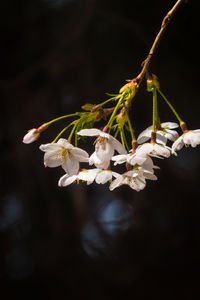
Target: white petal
{"points": [[116, 182], [80, 154], [149, 175], [129, 173], [145, 149], [89, 132], [170, 125], [172, 135], [104, 150], [133, 185], [120, 159], [105, 135], [178, 144], [136, 159], [192, 138], [144, 135], [66, 180], [162, 150], [88, 175], [161, 138], [64, 143], [70, 165], [50, 147], [117, 145], [148, 164], [94, 160], [52, 159], [103, 176], [140, 183], [116, 175], [143, 139], [136, 173]]}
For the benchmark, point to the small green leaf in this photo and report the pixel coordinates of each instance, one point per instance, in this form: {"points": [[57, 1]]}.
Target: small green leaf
{"points": [[112, 95], [88, 106]]}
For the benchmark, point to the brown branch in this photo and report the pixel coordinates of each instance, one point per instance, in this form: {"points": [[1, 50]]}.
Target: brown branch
{"points": [[155, 44], [145, 66]]}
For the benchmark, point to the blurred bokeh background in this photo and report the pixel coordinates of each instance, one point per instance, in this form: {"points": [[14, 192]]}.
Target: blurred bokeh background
{"points": [[85, 242]]}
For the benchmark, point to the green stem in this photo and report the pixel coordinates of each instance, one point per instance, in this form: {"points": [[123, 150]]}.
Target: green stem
{"points": [[60, 118], [111, 99], [127, 147], [76, 138], [112, 117], [129, 123], [72, 132], [155, 111], [170, 106], [57, 137], [116, 133], [122, 138]]}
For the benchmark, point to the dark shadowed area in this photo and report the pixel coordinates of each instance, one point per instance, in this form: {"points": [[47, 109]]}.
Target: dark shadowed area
{"points": [[85, 242]]}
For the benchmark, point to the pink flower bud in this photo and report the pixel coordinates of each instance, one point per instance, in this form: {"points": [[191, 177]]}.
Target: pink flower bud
{"points": [[31, 136]]}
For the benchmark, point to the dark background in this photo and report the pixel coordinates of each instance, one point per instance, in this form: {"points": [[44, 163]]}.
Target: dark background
{"points": [[84, 242]]}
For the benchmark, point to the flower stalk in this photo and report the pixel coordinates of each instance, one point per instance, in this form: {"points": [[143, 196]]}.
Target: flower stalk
{"points": [[60, 118], [61, 133], [171, 107], [155, 109], [112, 117]]}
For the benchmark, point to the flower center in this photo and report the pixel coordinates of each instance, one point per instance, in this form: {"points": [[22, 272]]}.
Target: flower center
{"points": [[63, 152], [101, 141], [130, 180], [136, 167]]}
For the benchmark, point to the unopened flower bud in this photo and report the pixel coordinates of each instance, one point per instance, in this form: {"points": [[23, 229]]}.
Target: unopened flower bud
{"points": [[88, 106], [31, 136], [152, 82], [34, 134]]}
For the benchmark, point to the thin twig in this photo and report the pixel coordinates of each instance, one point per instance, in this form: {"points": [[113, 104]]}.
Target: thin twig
{"points": [[164, 25]]}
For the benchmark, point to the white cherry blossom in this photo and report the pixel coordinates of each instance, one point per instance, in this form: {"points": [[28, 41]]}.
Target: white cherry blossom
{"points": [[100, 176], [130, 178], [148, 165], [147, 169], [139, 161], [66, 180], [84, 175], [31, 136], [166, 133], [155, 150], [101, 164], [136, 179], [105, 144], [130, 158], [65, 155], [137, 158], [191, 137], [104, 176]]}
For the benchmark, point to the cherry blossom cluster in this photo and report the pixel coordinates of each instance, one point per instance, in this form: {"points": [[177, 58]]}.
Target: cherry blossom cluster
{"points": [[111, 143], [137, 161]]}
